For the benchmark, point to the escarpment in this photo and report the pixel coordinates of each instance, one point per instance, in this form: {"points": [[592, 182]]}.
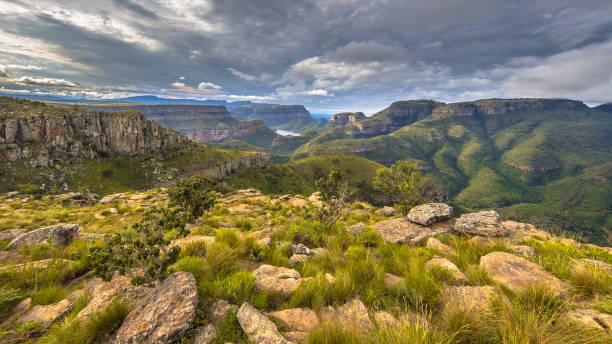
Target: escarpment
{"points": [[490, 107], [31, 130]]}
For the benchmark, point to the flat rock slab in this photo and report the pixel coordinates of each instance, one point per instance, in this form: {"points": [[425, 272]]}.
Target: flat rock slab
{"points": [[485, 223], [516, 272], [277, 279], [104, 292], [430, 213], [258, 328], [58, 235], [468, 297], [444, 263], [523, 250], [396, 231], [297, 319], [46, 315], [352, 314], [164, 315], [435, 244]]}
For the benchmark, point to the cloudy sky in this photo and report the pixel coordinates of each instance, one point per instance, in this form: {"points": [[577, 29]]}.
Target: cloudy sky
{"points": [[330, 55]]}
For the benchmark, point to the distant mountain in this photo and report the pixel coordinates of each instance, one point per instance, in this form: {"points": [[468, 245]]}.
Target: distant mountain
{"points": [[151, 99], [41, 97], [605, 107], [546, 161]]}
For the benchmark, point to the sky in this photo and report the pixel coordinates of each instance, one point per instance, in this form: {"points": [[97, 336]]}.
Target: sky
{"points": [[329, 55]]}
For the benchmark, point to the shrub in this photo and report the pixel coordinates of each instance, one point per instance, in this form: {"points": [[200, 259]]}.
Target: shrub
{"points": [[402, 185], [336, 196], [194, 195], [194, 265]]}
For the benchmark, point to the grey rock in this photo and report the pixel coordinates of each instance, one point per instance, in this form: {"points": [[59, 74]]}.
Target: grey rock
{"points": [[258, 328], [430, 213], [485, 223], [58, 235], [405, 231]]}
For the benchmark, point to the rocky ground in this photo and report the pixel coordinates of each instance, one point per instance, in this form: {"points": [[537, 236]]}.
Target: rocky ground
{"points": [[258, 268]]}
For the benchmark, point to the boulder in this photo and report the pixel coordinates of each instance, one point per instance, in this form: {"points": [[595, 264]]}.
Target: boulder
{"points": [[298, 202], [603, 265], [218, 312], [444, 263], [405, 231], [164, 314], [298, 258], [329, 278], [384, 319], [10, 257], [12, 194], [393, 281], [523, 250], [46, 315], [352, 314], [300, 249], [205, 335], [435, 244], [591, 318], [357, 228], [10, 234], [258, 328], [139, 197], [485, 223], [468, 297], [58, 235], [296, 336], [516, 272], [277, 279], [297, 319], [319, 251], [387, 211], [104, 292], [430, 213], [186, 241]]}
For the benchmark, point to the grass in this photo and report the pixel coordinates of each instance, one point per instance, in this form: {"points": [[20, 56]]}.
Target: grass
{"points": [[48, 295]]}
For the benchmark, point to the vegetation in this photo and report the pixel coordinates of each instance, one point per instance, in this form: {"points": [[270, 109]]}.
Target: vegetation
{"points": [[336, 196], [402, 185]]}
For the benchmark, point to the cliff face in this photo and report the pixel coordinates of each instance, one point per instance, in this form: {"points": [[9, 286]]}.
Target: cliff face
{"points": [[204, 123], [491, 107], [255, 160], [346, 118], [397, 115], [30, 130], [271, 114]]}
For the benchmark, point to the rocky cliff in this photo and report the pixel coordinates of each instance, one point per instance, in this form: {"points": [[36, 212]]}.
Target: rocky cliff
{"points": [[271, 114], [254, 160], [343, 118], [491, 107], [204, 123], [42, 133]]}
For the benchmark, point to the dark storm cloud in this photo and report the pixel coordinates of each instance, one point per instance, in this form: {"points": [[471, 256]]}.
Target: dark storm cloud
{"points": [[335, 55]]}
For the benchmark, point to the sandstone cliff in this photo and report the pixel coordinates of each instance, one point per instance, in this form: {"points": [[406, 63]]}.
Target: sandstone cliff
{"points": [[343, 118], [271, 114], [41, 133], [490, 107], [254, 160]]}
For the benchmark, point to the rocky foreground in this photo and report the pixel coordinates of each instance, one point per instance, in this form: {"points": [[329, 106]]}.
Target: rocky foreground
{"points": [[257, 269]]}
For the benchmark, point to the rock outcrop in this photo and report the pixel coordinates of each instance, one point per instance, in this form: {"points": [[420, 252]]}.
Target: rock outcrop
{"points": [[57, 235], [485, 223], [254, 160], [353, 315], [405, 231], [258, 328], [271, 114], [46, 315], [444, 263], [343, 118], [77, 133], [164, 315], [297, 319], [468, 297], [517, 273], [277, 279], [430, 213], [492, 107]]}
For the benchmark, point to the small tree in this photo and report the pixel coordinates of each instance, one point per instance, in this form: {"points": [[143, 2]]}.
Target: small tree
{"points": [[147, 246], [401, 185], [193, 195], [336, 196]]}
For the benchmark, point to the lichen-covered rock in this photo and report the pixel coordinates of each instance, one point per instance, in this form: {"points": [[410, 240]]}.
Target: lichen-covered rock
{"points": [[435, 244], [277, 279], [430, 213], [104, 292], [298, 258], [300, 249], [57, 235], [444, 263], [516, 272], [404, 231], [205, 335], [10, 234], [164, 314], [46, 315], [352, 314], [387, 211], [591, 318], [468, 297], [218, 312], [258, 327], [297, 319], [7, 257], [523, 250], [296, 336], [485, 223], [598, 263], [357, 228]]}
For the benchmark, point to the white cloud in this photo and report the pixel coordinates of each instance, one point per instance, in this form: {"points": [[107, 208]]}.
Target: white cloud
{"points": [[41, 81], [177, 84], [3, 71], [250, 98], [208, 86], [241, 75], [182, 78], [24, 67], [317, 92]]}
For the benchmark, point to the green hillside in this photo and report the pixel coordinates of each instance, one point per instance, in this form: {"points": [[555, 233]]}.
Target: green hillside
{"points": [[543, 161]]}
